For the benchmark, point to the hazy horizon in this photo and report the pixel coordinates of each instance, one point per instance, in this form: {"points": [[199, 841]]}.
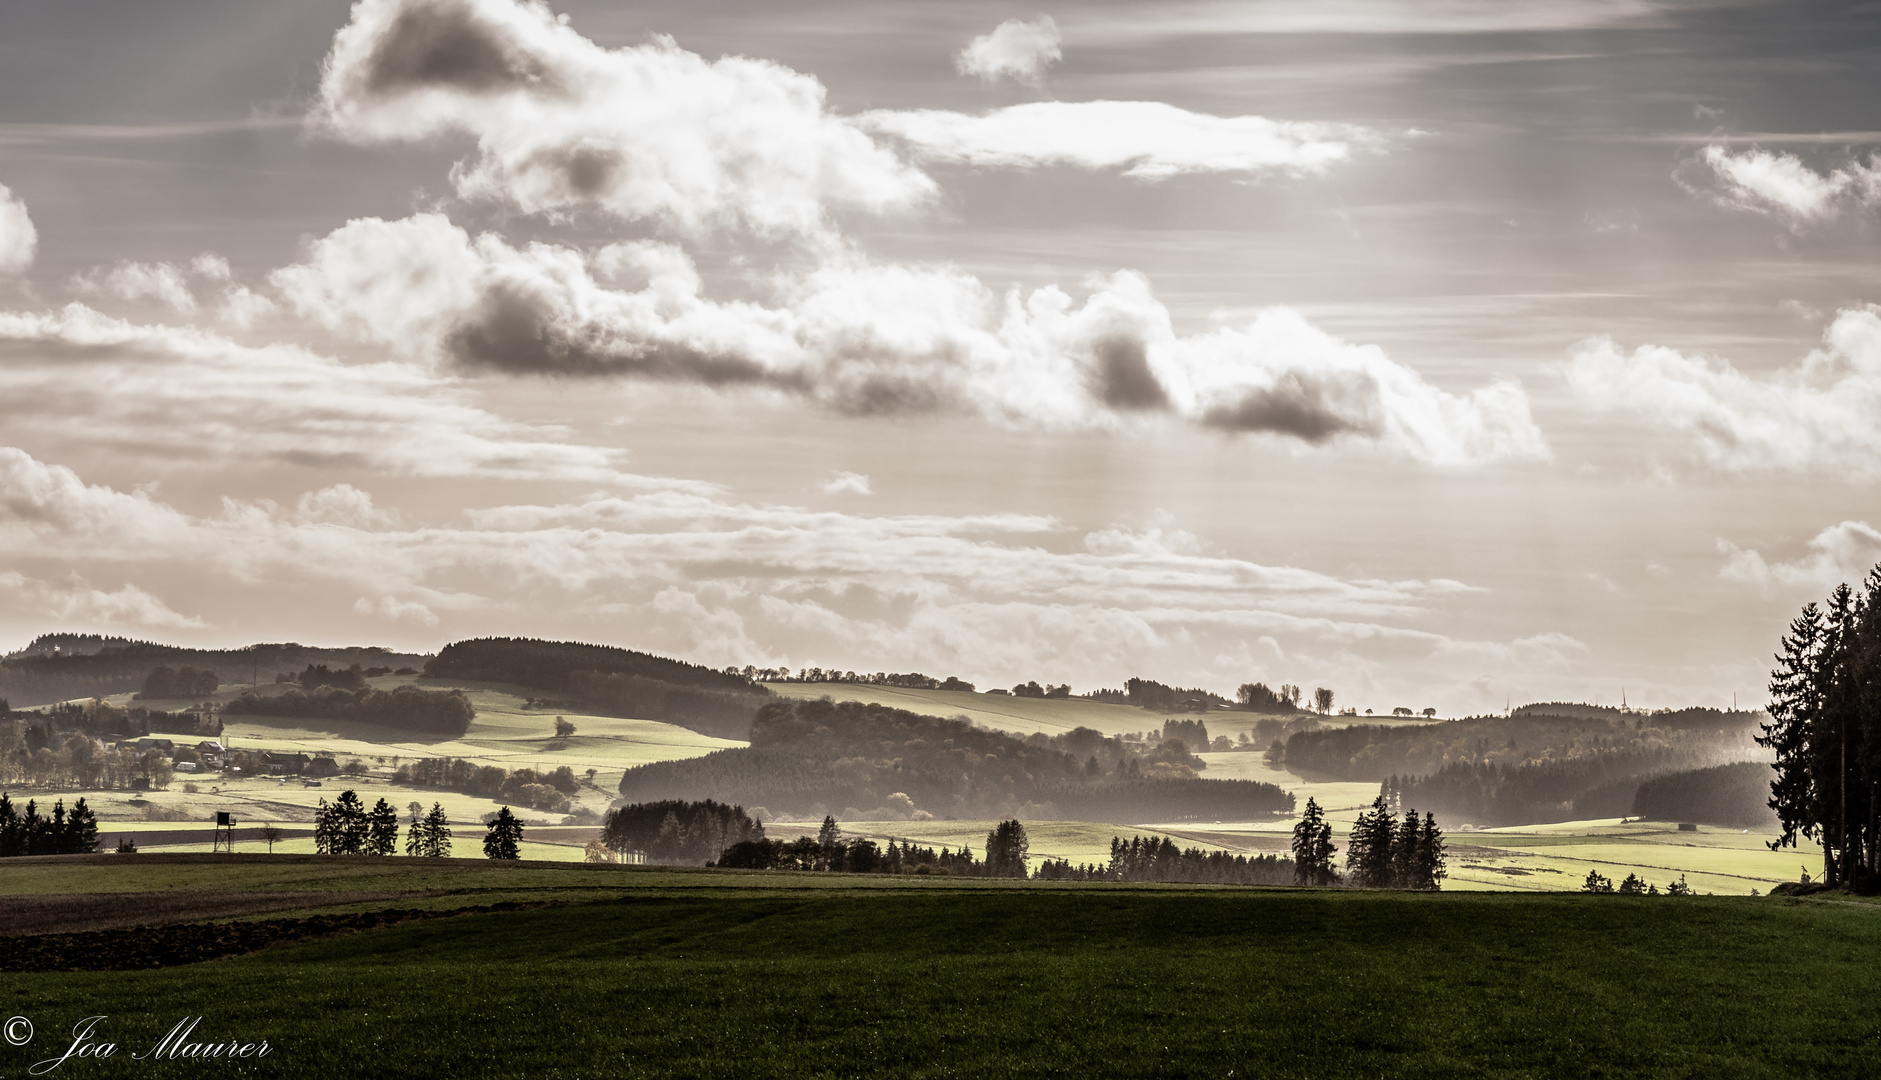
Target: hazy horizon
{"points": [[1443, 355]]}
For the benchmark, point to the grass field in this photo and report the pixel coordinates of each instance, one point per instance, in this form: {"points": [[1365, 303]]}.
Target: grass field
{"points": [[710, 974]]}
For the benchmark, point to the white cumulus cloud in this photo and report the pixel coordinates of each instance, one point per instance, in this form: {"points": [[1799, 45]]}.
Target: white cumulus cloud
{"points": [[1823, 415], [1841, 552], [859, 337], [650, 132], [1016, 49], [847, 483], [18, 239]]}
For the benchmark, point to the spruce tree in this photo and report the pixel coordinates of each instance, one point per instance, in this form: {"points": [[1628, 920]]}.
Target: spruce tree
{"points": [[415, 830], [81, 831], [349, 825], [12, 831], [504, 838], [1430, 869], [1404, 854], [437, 834], [1368, 850], [1312, 847], [1795, 703], [381, 829]]}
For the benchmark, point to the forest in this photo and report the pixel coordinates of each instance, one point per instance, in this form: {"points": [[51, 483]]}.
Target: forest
{"points": [[1825, 730], [63, 667], [1540, 764], [609, 681], [872, 762], [442, 713]]}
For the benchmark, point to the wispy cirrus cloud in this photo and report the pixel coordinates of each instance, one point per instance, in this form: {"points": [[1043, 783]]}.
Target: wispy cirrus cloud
{"points": [[1146, 140]]}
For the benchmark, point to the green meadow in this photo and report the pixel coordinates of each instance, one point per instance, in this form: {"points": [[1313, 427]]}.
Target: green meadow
{"points": [[727, 974]]}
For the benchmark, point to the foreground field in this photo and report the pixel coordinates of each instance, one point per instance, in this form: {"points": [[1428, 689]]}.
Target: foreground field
{"points": [[735, 975]]}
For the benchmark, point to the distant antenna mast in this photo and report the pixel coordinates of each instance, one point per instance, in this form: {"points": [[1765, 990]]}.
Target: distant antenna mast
{"points": [[1622, 697]]}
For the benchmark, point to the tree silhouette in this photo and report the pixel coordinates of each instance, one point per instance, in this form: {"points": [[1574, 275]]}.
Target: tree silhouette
{"points": [[504, 838], [1006, 850], [381, 829], [1312, 848]]}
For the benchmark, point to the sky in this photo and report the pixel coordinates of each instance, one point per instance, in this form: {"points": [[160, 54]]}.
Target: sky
{"points": [[1445, 354]]}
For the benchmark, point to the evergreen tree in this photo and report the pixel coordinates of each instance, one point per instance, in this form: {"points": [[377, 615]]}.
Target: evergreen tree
{"points": [[81, 831], [504, 837], [12, 830], [381, 829], [437, 834], [1428, 866], [1006, 850], [347, 826], [324, 828], [1368, 850], [1312, 847], [415, 829], [1597, 883], [1404, 854]]}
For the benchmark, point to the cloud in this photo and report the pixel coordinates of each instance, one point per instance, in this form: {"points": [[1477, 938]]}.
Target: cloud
{"points": [[156, 391], [847, 483], [18, 238], [1148, 140], [171, 285], [1016, 50], [135, 281], [1843, 552], [74, 603], [50, 504], [1780, 184], [1823, 416], [651, 132], [864, 338], [395, 610]]}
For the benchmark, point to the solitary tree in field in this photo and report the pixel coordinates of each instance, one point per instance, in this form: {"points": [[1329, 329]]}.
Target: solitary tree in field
{"points": [[1312, 847], [504, 838], [1006, 850], [270, 834], [1322, 700], [563, 729]]}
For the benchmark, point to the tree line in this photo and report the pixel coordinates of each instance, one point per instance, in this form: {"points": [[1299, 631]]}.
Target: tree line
{"points": [[1159, 859], [184, 682], [1381, 851], [551, 792], [61, 667], [831, 852], [61, 833], [1825, 729], [816, 756], [348, 827]]}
